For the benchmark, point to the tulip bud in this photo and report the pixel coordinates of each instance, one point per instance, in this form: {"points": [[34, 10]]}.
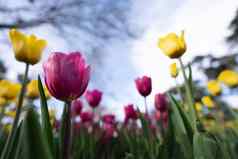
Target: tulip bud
{"points": [[130, 112], [207, 101], [27, 48], [173, 70], [229, 78], [86, 117], [144, 85], [161, 103], [76, 107], [9, 90], [109, 119], [172, 45], [66, 75], [214, 87], [93, 97]]}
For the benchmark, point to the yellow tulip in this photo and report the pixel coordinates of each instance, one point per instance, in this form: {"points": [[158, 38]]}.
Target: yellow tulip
{"points": [[172, 45], [27, 48], [229, 78], [198, 106], [3, 101], [33, 91], [9, 90], [214, 87], [173, 70], [206, 100]]}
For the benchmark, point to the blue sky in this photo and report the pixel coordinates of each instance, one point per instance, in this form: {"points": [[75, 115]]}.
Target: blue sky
{"points": [[205, 23]]}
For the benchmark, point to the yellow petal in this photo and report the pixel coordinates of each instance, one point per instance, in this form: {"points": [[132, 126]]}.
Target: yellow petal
{"points": [[214, 87], [229, 78], [172, 45], [27, 48], [173, 70], [207, 101]]}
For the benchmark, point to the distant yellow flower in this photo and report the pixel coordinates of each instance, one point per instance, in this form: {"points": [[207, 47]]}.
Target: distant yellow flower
{"points": [[229, 78], [198, 106], [206, 100], [214, 87], [173, 70], [11, 113], [33, 91], [27, 48], [9, 90], [172, 45], [3, 101]]}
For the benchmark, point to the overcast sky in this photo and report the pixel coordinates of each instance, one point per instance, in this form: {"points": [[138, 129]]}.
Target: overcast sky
{"points": [[205, 23]]}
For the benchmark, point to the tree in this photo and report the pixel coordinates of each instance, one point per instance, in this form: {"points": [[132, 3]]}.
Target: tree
{"points": [[233, 37], [100, 20]]}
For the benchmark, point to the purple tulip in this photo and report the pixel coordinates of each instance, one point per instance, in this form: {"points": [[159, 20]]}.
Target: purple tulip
{"points": [[86, 117], [161, 103], [66, 75], [130, 112], [108, 119], [144, 85], [76, 107], [93, 97]]}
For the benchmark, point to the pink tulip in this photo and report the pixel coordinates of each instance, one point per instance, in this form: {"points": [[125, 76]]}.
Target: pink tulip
{"points": [[93, 97], [158, 115], [144, 85], [161, 103], [86, 117], [108, 119], [66, 75], [130, 112], [76, 107]]}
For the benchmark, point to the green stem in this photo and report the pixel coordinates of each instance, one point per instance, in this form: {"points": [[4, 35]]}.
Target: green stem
{"points": [[9, 144], [190, 100], [146, 107], [66, 136]]}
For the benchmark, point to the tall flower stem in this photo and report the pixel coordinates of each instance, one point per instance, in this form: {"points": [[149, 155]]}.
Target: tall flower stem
{"points": [[190, 99], [66, 135], [9, 144], [178, 89], [146, 107]]}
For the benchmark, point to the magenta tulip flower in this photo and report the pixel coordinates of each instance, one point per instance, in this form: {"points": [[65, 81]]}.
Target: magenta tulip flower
{"points": [[66, 75], [130, 112], [86, 117], [161, 103], [93, 97], [144, 85], [109, 119], [76, 107]]}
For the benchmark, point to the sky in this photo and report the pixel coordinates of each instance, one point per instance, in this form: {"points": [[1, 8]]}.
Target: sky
{"points": [[205, 24]]}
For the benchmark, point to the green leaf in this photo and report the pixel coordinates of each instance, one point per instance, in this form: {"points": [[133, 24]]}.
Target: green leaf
{"points": [[180, 133], [204, 146], [34, 143], [186, 121], [45, 119]]}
